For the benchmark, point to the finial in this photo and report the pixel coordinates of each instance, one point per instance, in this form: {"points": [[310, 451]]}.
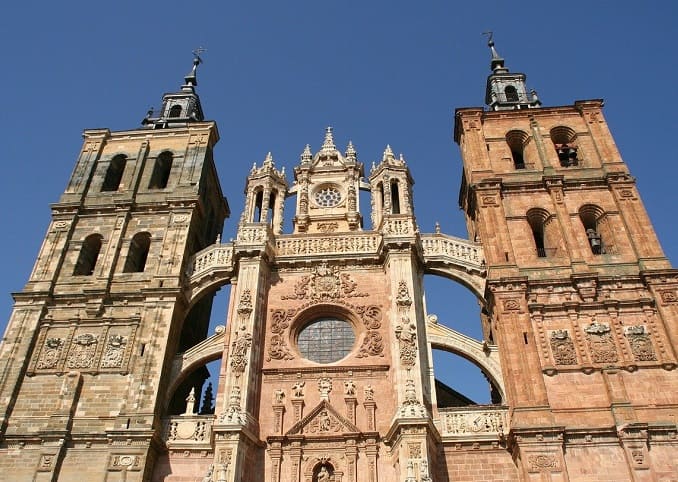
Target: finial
{"points": [[351, 153], [328, 143], [191, 78], [268, 162], [388, 154], [497, 60], [374, 165], [254, 168], [401, 158], [306, 156], [437, 227], [282, 171]]}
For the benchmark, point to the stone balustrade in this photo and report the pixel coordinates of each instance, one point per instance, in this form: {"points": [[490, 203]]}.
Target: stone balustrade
{"points": [[187, 431], [402, 226], [474, 422], [456, 250], [328, 244], [214, 256]]}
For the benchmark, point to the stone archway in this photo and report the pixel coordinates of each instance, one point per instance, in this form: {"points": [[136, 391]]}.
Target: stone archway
{"points": [[484, 356]]}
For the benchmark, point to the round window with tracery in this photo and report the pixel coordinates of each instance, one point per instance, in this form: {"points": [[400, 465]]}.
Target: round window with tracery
{"points": [[326, 340], [328, 196]]}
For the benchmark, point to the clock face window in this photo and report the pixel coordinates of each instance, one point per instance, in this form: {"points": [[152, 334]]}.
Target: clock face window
{"points": [[327, 197], [326, 340]]}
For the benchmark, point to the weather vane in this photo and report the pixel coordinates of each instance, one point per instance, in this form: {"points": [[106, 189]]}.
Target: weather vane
{"points": [[489, 34], [197, 53]]}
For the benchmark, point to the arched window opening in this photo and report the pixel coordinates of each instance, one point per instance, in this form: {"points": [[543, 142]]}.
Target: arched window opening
{"points": [[596, 228], [258, 203], [138, 253], [161, 171], [271, 209], [87, 259], [516, 141], [537, 219], [563, 139], [511, 94], [175, 111], [395, 198], [114, 173]]}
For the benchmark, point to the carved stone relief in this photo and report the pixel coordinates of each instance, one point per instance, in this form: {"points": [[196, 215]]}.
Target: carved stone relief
{"points": [[298, 389], [406, 333], [562, 347], [511, 304], [325, 387], [239, 350], [83, 349], [641, 344], [668, 296], [543, 463], [324, 422], [114, 352], [601, 344], [51, 352], [325, 283]]}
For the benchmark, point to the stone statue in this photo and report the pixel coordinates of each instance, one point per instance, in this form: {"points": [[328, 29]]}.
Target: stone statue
{"points": [[369, 392], [323, 475], [349, 387], [279, 396], [298, 389]]}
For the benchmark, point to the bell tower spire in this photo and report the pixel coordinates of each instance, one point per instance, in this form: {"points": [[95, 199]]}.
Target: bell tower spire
{"points": [[181, 107], [506, 90]]}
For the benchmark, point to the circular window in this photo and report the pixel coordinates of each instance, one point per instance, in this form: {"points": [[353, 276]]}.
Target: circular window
{"points": [[328, 196], [326, 340]]}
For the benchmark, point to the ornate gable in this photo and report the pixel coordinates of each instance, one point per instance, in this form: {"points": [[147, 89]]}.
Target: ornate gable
{"points": [[323, 420]]}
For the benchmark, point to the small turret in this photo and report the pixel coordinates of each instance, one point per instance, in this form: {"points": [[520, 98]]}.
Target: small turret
{"points": [[505, 90], [179, 108]]}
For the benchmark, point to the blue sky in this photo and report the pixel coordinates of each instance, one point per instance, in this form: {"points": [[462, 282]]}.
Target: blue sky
{"points": [[276, 73]]}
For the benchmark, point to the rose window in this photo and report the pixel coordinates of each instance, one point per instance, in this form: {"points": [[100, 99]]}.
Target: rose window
{"points": [[326, 340], [327, 197]]}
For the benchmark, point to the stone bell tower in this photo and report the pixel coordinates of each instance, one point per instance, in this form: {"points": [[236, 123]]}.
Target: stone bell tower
{"points": [[84, 363], [580, 297]]}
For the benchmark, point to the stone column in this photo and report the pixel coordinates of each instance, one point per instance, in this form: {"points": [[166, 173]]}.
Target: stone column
{"points": [[351, 403]]}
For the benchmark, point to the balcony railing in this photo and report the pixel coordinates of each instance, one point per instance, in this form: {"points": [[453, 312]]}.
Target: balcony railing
{"points": [[188, 430], [474, 422]]}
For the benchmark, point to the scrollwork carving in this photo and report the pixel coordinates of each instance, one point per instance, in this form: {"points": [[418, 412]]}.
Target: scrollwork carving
{"points": [[372, 345], [51, 352], [239, 349], [114, 352], [82, 351]]}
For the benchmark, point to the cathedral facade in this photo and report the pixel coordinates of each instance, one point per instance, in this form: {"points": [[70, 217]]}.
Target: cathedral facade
{"points": [[326, 357]]}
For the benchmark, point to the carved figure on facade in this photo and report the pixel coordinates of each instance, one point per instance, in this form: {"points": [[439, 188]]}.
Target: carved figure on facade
{"points": [[406, 333], [239, 349], [114, 352], [601, 344], [403, 298], [279, 396], [641, 344], [562, 347], [51, 352], [82, 351], [411, 406], [349, 388], [325, 387], [245, 304], [324, 422], [369, 393], [323, 475], [298, 389]]}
